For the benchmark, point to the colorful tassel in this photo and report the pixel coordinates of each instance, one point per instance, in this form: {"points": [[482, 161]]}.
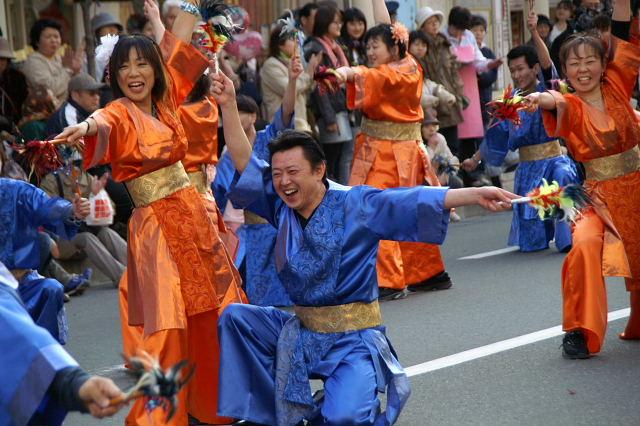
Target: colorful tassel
{"points": [[327, 80], [557, 202], [42, 156], [507, 108], [218, 27]]}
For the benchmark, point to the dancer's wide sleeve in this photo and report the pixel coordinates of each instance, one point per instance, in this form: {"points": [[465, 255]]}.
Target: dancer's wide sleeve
{"points": [[185, 64], [253, 190], [30, 358], [402, 214], [42, 210]]}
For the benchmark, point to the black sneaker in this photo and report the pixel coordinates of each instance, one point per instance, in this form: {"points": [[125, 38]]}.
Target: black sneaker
{"points": [[385, 293], [441, 281], [574, 345]]}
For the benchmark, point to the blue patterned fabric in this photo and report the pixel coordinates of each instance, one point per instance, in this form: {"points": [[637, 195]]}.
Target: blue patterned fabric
{"points": [[329, 262], [527, 230], [24, 208], [34, 358], [44, 300]]}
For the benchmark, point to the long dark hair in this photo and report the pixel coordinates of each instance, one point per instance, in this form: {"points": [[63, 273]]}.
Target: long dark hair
{"points": [[353, 15], [145, 48], [323, 19], [200, 89], [276, 40]]}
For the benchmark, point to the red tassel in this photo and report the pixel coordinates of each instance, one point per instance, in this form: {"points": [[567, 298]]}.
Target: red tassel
{"points": [[42, 156], [506, 108], [327, 81]]}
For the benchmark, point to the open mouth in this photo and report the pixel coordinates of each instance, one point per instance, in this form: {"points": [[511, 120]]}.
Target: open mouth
{"points": [[136, 87], [290, 193], [584, 79]]}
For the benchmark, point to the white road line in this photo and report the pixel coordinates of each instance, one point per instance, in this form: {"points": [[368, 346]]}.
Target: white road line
{"points": [[491, 253], [494, 348], [451, 360]]}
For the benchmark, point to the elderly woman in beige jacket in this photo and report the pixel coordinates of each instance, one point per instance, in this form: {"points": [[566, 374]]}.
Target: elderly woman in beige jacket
{"points": [[274, 79], [45, 67]]}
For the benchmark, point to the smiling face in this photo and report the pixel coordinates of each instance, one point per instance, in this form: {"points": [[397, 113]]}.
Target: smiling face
{"points": [[378, 52], [299, 185], [49, 42], [584, 69], [334, 28], [524, 77], [136, 79], [355, 29]]}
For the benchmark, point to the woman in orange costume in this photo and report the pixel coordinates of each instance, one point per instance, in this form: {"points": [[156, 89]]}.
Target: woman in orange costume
{"points": [[389, 151], [178, 272], [601, 131]]}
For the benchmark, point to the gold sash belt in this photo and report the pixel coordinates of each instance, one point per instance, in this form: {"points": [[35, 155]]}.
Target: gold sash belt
{"points": [[253, 219], [340, 318], [157, 185], [540, 151], [199, 180], [613, 166], [390, 131]]}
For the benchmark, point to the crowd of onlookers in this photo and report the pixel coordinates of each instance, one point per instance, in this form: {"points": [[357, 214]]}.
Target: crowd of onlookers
{"points": [[51, 90]]}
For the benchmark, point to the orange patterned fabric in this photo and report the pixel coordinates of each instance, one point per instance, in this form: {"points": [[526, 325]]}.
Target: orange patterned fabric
{"points": [[392, 93], [606, 240], [200, 122]]}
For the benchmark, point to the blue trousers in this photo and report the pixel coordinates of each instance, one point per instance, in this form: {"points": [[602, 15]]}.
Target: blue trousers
{"points": [[43, 298], [248, 340]]}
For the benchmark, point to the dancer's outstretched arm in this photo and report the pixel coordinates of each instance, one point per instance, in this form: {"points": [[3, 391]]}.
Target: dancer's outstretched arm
{"points": [[380, 12], [236, 140], [152, 12]]}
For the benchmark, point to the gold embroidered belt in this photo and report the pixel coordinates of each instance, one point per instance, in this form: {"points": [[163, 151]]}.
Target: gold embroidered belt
{"points": [[199, 180], [540, 151], [253, 219], [157, 185], [613, 166], [390, 131], [340, 318]]}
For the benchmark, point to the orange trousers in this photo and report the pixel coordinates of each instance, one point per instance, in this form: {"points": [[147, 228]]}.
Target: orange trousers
{"points": [[584, 295], [199, 344], [401, 264]]}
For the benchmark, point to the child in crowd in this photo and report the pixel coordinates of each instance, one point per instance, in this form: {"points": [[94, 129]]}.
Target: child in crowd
{"points": [[433, 94], [443, 162]]}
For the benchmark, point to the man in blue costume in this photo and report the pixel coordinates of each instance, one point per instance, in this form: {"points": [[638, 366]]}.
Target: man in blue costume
{"points": [[40, 381], [23, 209], [258, 237], [541, 156], [325, 254]]}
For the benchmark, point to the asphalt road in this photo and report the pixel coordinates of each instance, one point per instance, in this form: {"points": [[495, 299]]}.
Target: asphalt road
{"points": [[494, 299]]}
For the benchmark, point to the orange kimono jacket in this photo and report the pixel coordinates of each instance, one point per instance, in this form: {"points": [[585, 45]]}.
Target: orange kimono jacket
{"points": [[177, 265], [606, 143]]}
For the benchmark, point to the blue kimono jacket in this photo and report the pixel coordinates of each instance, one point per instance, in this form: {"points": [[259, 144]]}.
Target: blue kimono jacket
{"points": [[30, 359], [23, 209], [332, 261], [527, 230]]}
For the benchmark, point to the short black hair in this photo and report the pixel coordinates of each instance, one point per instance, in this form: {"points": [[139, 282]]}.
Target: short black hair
{"points": [[147, 49], [290, 139], [136, 23], [324, 18], [460, 17], [565, 4], [200, 89], [544, 20], [38, 27], [247, 104], [477, 20], [305, 11], [384, 33], [602, 22], [418, 35], [524, 50]]}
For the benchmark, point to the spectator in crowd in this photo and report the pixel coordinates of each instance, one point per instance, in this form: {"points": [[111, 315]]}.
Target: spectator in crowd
{"points": [[104, 24], [392, 8], [466, 49], [564, 12], [330, 109], [13, 89], [274, 79], [544, 29], [307, 15], [84, 98], [354, 27], [45, 67], [170, 9], [101, 245], [139, 24], [442, 67], [36, 110], [602, 26], [432, 92], [488, 78], [443, 162]]}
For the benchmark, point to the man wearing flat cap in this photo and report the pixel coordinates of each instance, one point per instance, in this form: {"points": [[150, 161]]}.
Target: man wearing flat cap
{"points": [[84, 98]]}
